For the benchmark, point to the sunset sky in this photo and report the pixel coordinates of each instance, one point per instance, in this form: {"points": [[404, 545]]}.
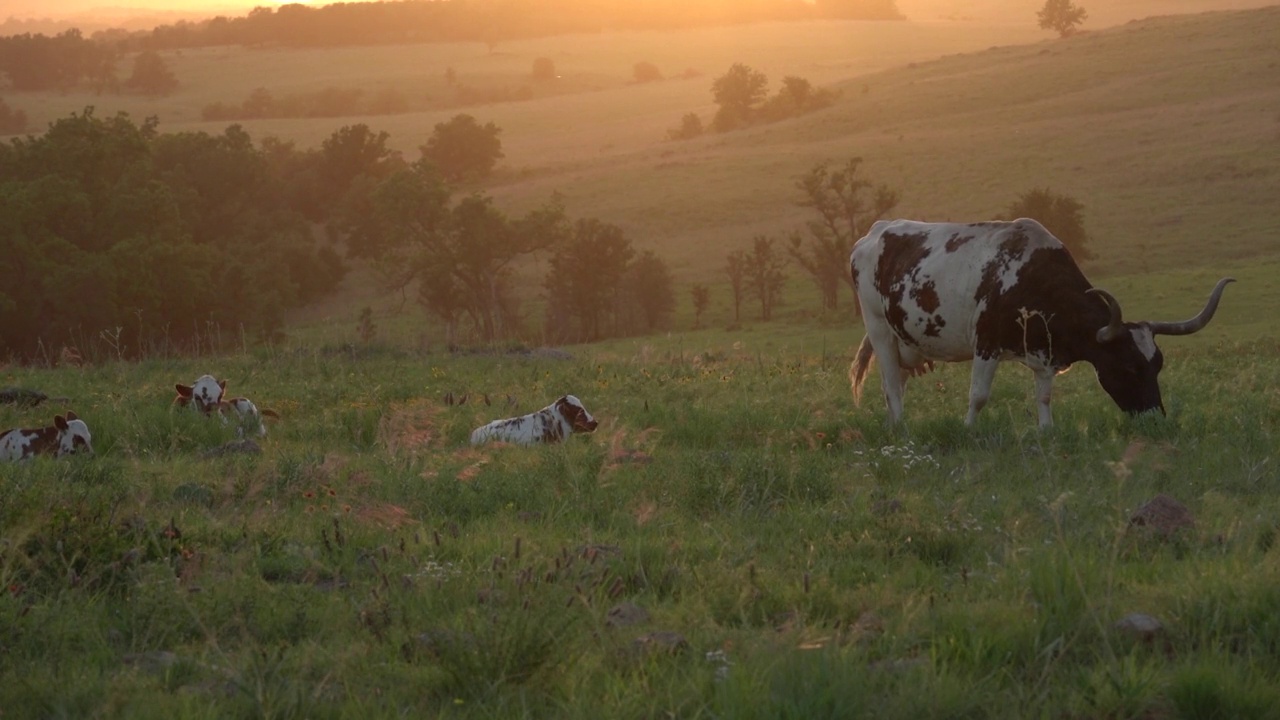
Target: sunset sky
{"points": [[1101, 12]]}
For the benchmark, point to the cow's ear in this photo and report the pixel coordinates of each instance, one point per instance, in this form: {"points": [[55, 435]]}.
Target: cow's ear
{"points": [[222, 384], [71, 416], [568, 410], [183, 390], [59, 422]]}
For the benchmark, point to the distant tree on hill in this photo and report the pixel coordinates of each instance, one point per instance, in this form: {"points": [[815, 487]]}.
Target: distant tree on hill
{"points": [[1061, 16], [846, 204], [648, 298], [1061, 215], [584, 283], [763, 275], [544, 69], [645, 72], [735, 267], [690, 127], [151, 76], [701, 296], [463, 149], [12, 120], [738, 92]]}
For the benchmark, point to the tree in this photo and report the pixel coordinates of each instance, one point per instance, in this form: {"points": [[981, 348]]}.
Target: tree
{"points": [[763, 277], [1061, 215], [690, 127], [644, 72], [463, 149], [701, 301], [585, 278], [649, 298], [12, 120], [460, 254], [846, 205], [736, 268], [737, 92], [544, 69], [1061, 16], [151, 76]]}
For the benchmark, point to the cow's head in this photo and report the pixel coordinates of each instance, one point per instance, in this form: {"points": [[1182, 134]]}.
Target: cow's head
{"points": [[73, 435], [572, 409], [206, 392], [1129, 363]]}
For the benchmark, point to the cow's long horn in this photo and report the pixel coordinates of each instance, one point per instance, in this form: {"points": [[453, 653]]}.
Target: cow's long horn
{"points": [[1116, 325], [1186, 327]]}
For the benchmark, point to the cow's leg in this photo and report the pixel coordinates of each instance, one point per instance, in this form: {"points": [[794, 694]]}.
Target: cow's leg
{"points": [[1044, 394], [984, 373], [892, 378]]}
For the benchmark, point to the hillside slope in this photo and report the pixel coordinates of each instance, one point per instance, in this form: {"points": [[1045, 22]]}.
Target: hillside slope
{"points": [[1167, 129]]}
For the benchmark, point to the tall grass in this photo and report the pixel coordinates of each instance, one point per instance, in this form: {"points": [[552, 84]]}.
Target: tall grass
{"points": [[812, 561]]}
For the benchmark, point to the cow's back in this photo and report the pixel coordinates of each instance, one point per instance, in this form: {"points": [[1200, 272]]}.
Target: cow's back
{"points": [[930, 282]]}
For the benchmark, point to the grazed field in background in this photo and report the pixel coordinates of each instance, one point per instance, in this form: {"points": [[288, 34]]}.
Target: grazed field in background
{"points": [[806, 561]]}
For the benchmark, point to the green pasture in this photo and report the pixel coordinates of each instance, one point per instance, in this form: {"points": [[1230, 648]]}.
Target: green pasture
{"points": [[790, 555]]}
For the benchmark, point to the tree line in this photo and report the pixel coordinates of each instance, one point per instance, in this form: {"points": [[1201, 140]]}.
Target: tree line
{"points": [[488, 21]]}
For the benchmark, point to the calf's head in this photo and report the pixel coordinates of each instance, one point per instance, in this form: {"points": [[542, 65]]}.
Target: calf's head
{"points": [[73, 435], [205, 393], [572, 410], [1128, 362]]}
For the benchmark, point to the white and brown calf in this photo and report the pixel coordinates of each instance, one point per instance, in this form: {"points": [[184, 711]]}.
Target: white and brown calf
{"points": [[551, 424], [206, 395], [68, 435]]}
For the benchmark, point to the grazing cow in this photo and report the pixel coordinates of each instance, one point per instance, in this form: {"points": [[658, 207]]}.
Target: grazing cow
{"points": [[68, 435], [551, 424], [996, 291], [206, 396]]}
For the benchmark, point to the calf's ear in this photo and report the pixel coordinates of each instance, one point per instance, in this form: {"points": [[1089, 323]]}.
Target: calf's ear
{"points": [[59, 422], [183, 390], [71, 416]]}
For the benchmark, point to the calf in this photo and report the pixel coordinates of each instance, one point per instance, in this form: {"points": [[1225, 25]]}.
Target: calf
{"points": [[68, 435], [551, 424], [206, 396]]}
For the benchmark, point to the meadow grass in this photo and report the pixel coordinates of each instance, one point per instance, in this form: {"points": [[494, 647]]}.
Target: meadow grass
{"points": [[813, 561]]}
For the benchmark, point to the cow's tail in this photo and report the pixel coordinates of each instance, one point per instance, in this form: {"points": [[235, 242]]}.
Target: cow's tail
{"points": [[859, 368]]}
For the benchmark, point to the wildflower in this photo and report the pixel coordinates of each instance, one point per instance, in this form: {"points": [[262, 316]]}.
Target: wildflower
{"points": [[308, 494]]}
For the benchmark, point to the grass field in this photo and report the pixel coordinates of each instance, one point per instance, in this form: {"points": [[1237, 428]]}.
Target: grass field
{"points": [[735, 540]]}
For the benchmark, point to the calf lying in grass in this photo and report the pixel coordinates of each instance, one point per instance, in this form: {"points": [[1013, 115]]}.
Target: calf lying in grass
{"points": [[551, 424], [206, 396], [67, 435]]}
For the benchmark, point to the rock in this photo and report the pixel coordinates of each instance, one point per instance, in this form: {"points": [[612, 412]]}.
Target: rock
{"points": [[883, 508], [661, 641], [1163, 515], [1139, 626], [194, 494], [235, 446], [626, 614], [867, 627], [22, 397]]}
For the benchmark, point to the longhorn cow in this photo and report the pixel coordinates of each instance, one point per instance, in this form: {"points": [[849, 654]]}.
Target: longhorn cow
{"points": [[995, 291]]}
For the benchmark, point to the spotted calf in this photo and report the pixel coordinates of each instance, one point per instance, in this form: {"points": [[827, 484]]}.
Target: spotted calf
{"points": [[206, 395], [551, 424], [68, 435]]}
